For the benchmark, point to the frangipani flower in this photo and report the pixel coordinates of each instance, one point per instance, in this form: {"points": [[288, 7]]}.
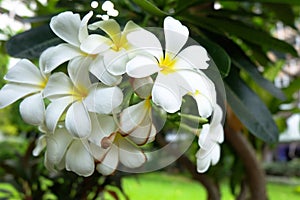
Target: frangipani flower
{"points": [[210, 137], [171, 82], [136, 120], [74, 32], [76, 96], [116, 57], [117, 148], [26, 81]]}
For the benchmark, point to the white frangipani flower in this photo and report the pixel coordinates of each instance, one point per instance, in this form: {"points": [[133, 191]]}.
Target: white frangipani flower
{"points": [[74, 32], [136, 120], [117, 148], [76, 96], [116, 57], [210, 137], [171, 65], [26, 81]]}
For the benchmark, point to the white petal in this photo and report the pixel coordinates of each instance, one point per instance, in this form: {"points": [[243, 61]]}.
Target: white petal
{"points": [[141, 134], [130, 156], [146, 41], [103, 100], [167, 94], [11, 92], [176, 35], [98, 69], [95, 44], [25, 72], [192, 57], [78, 71], [57, 145], [133, 116], [206, 158], [102, 126], [204, 105], [129, 27], [55, 110], [115, 62], [55, 56], [142, 66], [79, 160], [110, 161], [66, 25], [41, 143], [142, 86], [83, 31], [110, 27], [59, 85], [78, 120], [32, 109]]}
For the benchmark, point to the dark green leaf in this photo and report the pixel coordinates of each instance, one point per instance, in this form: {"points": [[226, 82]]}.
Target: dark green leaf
{"points": [[292, 88], [250, 109], [218, 54], [283, 12], [290, 2], [30, 44], [250, 34], [150, 8]]}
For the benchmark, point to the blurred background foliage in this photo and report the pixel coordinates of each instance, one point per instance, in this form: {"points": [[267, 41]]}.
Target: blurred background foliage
{"points": [[244, 39]]}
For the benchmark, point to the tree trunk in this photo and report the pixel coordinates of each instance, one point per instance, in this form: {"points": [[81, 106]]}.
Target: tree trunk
{"points": [[254, 172]]}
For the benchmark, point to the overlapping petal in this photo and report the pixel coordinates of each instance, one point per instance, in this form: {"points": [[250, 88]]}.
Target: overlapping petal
{"points": [[142, 66]]}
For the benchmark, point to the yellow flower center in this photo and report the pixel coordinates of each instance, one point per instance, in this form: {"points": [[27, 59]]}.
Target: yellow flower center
{"points": [[43, 83], [80, 92], [167, 64]]}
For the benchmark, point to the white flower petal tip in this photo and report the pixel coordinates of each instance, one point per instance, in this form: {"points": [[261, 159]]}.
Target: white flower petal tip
{"points": [[142, 86], [207, 158], [32, 109]]}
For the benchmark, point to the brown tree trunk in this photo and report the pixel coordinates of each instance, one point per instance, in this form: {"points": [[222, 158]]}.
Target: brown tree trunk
{"points": [[254, 172]]}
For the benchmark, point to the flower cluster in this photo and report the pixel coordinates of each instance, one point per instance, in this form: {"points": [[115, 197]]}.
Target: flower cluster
{"points": [[81, 111]]}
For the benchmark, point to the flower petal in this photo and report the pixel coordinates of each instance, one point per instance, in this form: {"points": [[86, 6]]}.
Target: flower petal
{"points": [[141, 134], [110, 27], [130, 156], [55, 56], [103, 100], [110, 161], [142, 66], [41, 143], [25, 72], [55, 110], [129, 27], [32, 109], [143, 40], [95, 44], [102, 126], [132, 116], [143, 86], [83, 31], [79, 160], [66, 25], [206, 158], [57, 145], [98, 69], [192, 57], [176, 35], [115, 62], [78, 121], [78, 71], [166, 93], [204, 105], [12, 92], [59, 85]]}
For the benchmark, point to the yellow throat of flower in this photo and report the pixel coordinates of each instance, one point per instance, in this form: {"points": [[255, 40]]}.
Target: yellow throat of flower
{"points": [[167, 64], [79, 92]]}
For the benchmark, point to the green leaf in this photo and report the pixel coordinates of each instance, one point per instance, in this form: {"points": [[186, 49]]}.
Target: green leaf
{"points": [[250, 109], [290, 2], [218, 54], [292, 88], [30, 44], [283, 13], [150, 8], [251, 34]]}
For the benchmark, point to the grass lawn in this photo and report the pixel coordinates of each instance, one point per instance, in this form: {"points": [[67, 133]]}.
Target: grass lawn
{"points": [[161, 186]]}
